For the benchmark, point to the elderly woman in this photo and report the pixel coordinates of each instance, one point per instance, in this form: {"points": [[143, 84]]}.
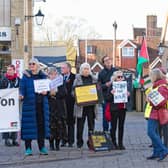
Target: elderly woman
{"points": [[82, 112], [35, 109], [118, 112], [58, 112], [160, 151]]}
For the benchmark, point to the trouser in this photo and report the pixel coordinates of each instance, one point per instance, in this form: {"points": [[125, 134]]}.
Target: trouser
{"points": [[71, 133], [159, 149], [165, 134], [105, 122], [9, 135], [40, 128], [80, 125], [118, 118]]}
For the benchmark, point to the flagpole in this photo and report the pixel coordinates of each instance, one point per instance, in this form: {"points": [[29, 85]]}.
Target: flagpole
{"points": [[86, 50]]}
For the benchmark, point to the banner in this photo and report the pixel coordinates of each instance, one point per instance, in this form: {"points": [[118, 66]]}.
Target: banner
{"points": [[9, 110]]}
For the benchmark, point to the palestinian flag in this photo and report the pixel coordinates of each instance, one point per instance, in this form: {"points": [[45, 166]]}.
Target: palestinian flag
{"points": [[142, 58]]}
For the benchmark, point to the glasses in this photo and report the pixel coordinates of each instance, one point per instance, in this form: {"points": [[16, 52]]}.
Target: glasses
{"points": [[120, 77], [32, 63], [107, 59]]}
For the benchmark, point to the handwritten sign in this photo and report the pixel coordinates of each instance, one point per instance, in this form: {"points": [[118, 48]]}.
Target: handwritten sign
{"points": [[120, 94], [41, 85], [155, 97], [58, 81]]}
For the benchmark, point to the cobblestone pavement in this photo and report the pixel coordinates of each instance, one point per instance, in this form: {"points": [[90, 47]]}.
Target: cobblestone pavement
{"points": [[136, 142]]}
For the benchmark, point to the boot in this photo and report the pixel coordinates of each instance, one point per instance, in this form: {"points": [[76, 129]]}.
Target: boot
{"points": [[57, 142], [15, 143], [51, 144], [7, 142]]}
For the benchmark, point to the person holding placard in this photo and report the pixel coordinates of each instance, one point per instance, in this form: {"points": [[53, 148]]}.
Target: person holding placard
{"points": [[58, 113], [35, 109], [117, 95], [81, 112], [10, 80], [157, 98]]}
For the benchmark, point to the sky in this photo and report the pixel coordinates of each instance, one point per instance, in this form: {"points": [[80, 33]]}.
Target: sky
{"points": [[101, 14]]}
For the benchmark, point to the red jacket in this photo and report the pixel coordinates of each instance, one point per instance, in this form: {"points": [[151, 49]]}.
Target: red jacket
{"points": [[163, 90]]}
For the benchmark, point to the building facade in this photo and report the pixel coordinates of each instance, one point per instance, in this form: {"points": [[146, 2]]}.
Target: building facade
{"points": [[15, 31]]}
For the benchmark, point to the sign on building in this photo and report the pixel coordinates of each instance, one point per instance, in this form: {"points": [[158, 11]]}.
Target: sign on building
{"points": [[5, 33], [19, 65]]}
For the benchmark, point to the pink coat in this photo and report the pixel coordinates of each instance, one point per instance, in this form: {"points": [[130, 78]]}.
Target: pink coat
{"points": [[163, 90]]}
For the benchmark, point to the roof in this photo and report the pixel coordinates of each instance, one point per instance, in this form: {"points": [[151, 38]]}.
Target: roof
{"points": [[124, 42], [49, 61]]}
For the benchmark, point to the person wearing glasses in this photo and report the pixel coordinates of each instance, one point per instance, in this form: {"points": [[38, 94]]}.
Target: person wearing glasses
{"points": [[118, 112], [35, 109], [104, 80], [10, 80]]}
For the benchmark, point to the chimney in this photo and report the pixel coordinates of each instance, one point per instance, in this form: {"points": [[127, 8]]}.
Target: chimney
{"points": [[151, 29]]}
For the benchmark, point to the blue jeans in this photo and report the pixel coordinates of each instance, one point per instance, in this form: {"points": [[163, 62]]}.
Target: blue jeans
{"points": [[159, 150], [105, 123]]}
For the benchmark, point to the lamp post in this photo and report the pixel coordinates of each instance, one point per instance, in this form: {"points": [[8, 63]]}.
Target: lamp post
{"points": [[114, 42]]}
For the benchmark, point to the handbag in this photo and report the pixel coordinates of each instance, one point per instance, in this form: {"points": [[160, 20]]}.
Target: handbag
{"points": [[107, 112], [163, 116]]}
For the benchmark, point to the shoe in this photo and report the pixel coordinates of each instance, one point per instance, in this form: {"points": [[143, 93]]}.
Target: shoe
{"points": [[162, 157], [14, 143], [28, 152], [43, 151], [63, 144], [150, 146], [121, 147], [51, 146], [7, 142], [152, 157], [70, 145]]}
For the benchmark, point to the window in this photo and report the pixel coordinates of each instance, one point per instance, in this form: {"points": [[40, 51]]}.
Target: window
{"points": [[91, 49], [128, 51]]}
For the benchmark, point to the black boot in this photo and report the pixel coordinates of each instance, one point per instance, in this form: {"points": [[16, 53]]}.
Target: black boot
{"points": [[7, 142], [57, 142], [51, 144], [15, 143]]}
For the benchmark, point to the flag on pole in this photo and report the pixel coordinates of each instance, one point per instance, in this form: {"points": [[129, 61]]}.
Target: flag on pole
{"points": [[142, 58]]}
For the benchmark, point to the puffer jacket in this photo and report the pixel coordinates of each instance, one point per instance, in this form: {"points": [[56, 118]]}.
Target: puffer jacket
{"points": [[163, 90]]}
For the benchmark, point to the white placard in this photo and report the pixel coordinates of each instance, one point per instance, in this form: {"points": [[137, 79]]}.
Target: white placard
{"points": [[41, 85], [120, 94], [5, 33], [9, 110], [19, 66], [155, 97], [58, 81]]}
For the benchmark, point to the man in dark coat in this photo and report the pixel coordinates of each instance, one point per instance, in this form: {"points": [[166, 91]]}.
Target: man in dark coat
{"points": [[10, 80], [104, 79], [68, 81]]}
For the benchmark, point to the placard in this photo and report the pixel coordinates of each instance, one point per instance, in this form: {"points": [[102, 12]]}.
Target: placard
{"points": [[58, 81], [155, 97], [120, 94], [86, 94], [41, 85], [9, 110]]}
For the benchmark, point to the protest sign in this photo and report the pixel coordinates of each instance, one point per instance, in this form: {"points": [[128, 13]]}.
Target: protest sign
{"points": [[120, 94], [58, 81], [41, 85], [9, 110]]}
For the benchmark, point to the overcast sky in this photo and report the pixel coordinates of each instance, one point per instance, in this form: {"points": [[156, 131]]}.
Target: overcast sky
{"points": [[102, 13]]}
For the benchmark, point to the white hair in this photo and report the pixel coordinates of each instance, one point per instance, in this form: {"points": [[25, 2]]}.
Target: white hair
{"points": [[84, 65]]}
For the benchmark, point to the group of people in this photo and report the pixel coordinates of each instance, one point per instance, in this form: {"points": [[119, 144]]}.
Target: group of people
{"points": [[53, 114]]}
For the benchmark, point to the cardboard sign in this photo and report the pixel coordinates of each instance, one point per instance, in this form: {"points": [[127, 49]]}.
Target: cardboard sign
{"points": [[9, 110], [86, 94], [58, 81], [120, 94], [41, 85]]}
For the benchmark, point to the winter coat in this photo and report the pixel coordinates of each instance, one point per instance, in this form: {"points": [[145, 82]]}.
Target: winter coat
{"points": [[78, 110], [163, 90], [29, 122], [105, 76]]}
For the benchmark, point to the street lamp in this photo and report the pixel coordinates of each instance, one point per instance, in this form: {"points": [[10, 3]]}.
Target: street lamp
{"points": [[161, 49], [39, 17], [114, 42]]}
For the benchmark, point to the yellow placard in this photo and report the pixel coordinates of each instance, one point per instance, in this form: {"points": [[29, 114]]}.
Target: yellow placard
{"points": [[98, 140], [86, 94]]}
